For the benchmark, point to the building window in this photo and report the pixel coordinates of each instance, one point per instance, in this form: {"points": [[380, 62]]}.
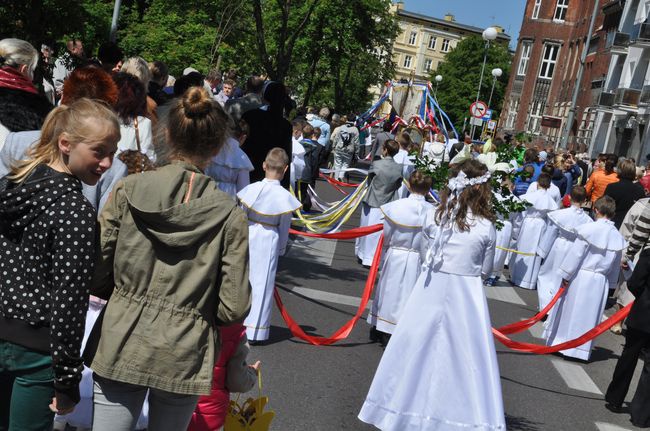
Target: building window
{"points": [[524, 58], [432, 42], [560, 10], [535, 119], [413, 37], [538, 5], [512, 113], [407, 61], [548, 61], [445, 45], [427, 64]]}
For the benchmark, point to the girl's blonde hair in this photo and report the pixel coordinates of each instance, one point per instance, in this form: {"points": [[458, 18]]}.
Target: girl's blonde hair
{"points": [[71, 120], [17, 52]]}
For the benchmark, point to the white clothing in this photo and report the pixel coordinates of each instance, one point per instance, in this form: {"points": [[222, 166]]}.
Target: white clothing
{"points": [[553, 248], [230, 168], [554, 191], [268, 207], [4, 132], [592, 265], [60, 72], [297, 161], [401, 261], [440, 370], [128, 142], [82, 416], [436, 151], [523, 267], [503, 241], [402, 157], [366, 246]]}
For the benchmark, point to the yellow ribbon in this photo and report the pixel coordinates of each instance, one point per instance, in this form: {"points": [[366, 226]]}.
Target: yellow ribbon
{"points": [[516, 251]]}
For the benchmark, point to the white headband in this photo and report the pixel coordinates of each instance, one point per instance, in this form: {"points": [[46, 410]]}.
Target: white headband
{"points": [[460, 182]]}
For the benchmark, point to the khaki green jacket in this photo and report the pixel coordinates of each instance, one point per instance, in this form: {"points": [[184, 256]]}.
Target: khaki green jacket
{"points": [[171, 271]]}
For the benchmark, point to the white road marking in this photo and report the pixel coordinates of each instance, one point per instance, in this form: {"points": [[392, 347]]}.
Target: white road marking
{"points": [[602, 426], [503, 293], [575, 376], [335, 298], [316, 249], [537, 329]]}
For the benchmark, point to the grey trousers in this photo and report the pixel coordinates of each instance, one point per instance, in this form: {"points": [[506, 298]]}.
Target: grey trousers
{"points": [[117, 407]]}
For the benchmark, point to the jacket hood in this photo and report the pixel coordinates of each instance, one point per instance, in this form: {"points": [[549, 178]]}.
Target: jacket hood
{"points": [[158, 202], [21, 204]]}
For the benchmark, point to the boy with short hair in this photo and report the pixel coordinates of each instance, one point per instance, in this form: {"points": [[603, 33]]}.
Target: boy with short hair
{"points": [[589, 268], [311, 158], [268, 207]]}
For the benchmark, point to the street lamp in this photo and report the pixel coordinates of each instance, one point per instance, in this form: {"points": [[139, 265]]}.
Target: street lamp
{"points": [[489, 34], [438, 79], [496, 74]]}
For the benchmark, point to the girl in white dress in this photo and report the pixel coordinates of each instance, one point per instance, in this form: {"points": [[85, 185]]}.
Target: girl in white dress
{"points": [[230, 168], [524, 266], [440, 371], [402, 157], [268, 207], [589, 269], [556, 242], [401, 261]]}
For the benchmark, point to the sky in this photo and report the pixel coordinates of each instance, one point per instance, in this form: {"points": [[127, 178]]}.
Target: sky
{"points": [[480, 13]]}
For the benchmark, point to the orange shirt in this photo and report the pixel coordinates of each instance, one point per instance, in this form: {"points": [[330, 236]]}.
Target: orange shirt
{"points": [[598, 182]]}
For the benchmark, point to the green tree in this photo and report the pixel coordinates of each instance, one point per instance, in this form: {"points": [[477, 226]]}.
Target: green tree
{"points": [[461, 71]]}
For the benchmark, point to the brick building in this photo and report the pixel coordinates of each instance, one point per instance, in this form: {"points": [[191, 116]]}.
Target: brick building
{"points": [[545, 67]]}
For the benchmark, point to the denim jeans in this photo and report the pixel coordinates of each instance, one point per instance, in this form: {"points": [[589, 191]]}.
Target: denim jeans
{"points": [[117, 407], [26, 388]]}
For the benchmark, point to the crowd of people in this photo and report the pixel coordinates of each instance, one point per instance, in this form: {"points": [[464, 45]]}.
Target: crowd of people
{"points": [[142, 218]]}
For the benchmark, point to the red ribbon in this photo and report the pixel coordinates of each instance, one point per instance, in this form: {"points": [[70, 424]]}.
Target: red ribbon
{"points": [[344, 331], [346, 234], [517, 327], [337, 182], [587, 336]]}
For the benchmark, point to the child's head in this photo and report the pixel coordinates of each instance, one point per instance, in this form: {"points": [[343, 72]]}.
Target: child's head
{"points": [[316, 133], [529, 171], [404, 140], [419, 183], [196, 127], [297, 126], [390, 148], [544, 181], [462, 197], [276, 163], [80, 139], [307, 131], [605, 207], [578, 195]]}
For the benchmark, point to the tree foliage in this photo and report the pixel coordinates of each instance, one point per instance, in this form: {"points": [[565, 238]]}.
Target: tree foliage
{"points": [[461, 72]]}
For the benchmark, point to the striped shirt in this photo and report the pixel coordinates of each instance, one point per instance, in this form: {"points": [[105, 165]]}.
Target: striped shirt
{"points": [[640, 235]]}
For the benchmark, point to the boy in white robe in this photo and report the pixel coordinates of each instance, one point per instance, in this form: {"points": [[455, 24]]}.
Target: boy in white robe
{"points": [[524, 265], [297, 154], [589, 269], [556, 242], [268, 207], [401, 263], [402, 157]]}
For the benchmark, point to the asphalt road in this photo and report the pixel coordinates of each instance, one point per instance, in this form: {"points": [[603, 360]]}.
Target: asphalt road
{"points": [[322, 388]]}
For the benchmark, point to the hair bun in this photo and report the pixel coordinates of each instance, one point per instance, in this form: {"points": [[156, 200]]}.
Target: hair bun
{"points": [[197, 102]]}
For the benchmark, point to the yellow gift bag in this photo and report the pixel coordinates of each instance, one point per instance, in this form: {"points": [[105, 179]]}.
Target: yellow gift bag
{"points": [[250, 415]]}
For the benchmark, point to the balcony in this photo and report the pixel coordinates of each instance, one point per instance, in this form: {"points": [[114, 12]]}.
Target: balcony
{"points": [[606, 99], [640, 37], [627, 97], [644, 99], [617, 42]]}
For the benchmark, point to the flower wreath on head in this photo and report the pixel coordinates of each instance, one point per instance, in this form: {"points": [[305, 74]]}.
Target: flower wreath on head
{"points": [[460, 181]]}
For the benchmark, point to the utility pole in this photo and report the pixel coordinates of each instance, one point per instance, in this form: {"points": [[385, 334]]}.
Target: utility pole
{"points": [[576, 89], [116, 14]]}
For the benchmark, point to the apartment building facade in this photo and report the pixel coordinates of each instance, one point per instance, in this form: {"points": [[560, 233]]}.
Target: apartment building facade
{"points": [[424, 42], [624, 105], [545, 67]]}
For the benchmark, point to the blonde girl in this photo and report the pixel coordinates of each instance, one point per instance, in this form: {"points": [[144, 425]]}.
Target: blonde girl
{"points": [[47, 240]]}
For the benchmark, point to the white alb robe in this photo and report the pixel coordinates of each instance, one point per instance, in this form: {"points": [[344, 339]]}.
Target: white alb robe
{"points": [[553, 248], [525, 267], [440, 370], [365, 247], [230, 168], [402, 157], [503, 242], [297, 161], [591, 265], [401, 261], [268, 207]]}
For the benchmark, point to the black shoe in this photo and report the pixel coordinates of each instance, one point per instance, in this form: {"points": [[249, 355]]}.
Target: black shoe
{"points": [[638, 425], [385, 338], [614, 408], [256, 342], [374, 335]]}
